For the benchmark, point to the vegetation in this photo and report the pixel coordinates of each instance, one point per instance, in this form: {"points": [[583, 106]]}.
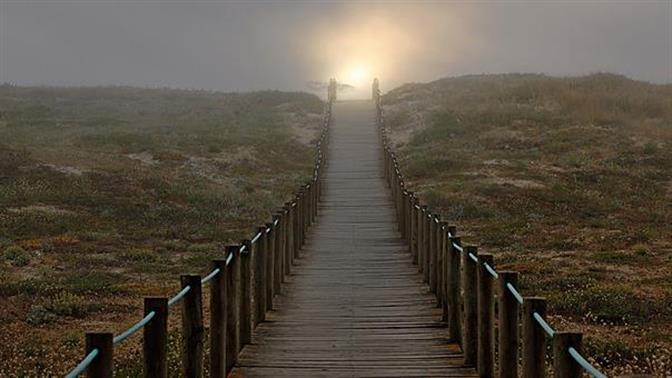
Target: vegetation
{"points": [[567, 180], [108, 194]]}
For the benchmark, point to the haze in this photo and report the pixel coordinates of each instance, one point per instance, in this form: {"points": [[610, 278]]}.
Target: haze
{"points": [[285, 45]]}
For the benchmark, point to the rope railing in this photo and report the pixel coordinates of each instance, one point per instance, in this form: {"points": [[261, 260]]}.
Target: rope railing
{"points": [[236, 305], [466, 297]]}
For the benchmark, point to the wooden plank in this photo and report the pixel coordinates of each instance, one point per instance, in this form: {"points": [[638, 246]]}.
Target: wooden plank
{"points": [[354, 304]]}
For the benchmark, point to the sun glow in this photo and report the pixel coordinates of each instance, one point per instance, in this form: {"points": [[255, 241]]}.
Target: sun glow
{"points": [[356, 75]]}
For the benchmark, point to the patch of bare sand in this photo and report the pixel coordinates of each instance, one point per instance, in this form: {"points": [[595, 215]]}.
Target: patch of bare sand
{"points": [[304, 126], [519, 183], [74, 171], [45, 209], [144, 157]]}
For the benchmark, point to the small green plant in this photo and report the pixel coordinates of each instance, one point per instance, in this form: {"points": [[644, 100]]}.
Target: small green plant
{"points": [[68, 304], [39, 314], [641, 250], [16, 255], [140, 256]]}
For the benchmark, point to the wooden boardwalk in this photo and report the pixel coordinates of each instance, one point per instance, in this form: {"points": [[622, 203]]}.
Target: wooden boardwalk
{"points": [[354, 305]]}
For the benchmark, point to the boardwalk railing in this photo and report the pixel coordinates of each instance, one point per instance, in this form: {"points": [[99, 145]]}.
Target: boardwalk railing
{"points": [[242, 287], [464, 282]]}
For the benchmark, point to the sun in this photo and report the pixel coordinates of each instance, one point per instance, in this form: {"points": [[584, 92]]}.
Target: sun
{"points": [[356, 75]]}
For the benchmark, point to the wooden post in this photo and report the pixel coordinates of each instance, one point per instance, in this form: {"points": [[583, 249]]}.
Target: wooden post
{"points": [[486, 317], [442, 239], [101, 367], [155, 338], [289, 231], [218, 320], [270, 263], [414, 231], [296, 227], [288, 256], [432, 253], [260, 277], [534, 338], [564, 366], [508, 326], [280, 258], [232, 310], [245, 295], [469, 283], [409, 221], [428, 245], [278, 273], [453, 287], [192, 327], [422, 245]]}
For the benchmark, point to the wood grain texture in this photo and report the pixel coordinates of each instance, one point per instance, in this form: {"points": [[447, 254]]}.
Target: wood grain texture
{"points": [[354, 305]]}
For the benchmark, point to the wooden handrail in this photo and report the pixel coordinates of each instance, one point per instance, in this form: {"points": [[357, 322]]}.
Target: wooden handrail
{"points": [[251, 273], [464, 282]]}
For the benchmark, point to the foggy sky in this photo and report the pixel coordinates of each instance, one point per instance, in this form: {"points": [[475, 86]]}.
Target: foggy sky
{"points": [[283, 45]]}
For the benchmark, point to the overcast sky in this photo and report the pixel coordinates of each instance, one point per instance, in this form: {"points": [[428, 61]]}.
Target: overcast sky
{"points": [[283, 45]]}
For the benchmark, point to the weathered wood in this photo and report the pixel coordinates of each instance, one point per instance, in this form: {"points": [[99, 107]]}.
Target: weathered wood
{"points": [[101, 367], [232, 301], [192, 327], [287, 254], [278, 259], [509, 338], [290, 231], [454, 288], [155, 338], [564, 366], [424, 243], [421, 238], [270, 264], [486, 319], [245, 295], [442, 268], [415, 231], [470, 299], [354, 304], [534, 338], [218, 320], [432, 253], [259, 258]]}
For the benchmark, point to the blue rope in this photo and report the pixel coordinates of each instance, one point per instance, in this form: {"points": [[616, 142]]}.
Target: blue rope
{"points": [[590, 369], [256, 237], [79, 369], [490, 270], [179, 296], [457, 247], [545, 326], [229, 259], [515, 293], [473, 257], [134, 328], [210, 276]]}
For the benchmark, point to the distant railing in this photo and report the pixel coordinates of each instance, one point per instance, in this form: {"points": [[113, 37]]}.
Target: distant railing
{"points": [[242, 287], [463, 280]]}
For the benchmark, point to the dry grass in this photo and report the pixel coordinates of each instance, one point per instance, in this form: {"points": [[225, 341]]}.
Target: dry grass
{"points": [[567, 180], [108, 194]]}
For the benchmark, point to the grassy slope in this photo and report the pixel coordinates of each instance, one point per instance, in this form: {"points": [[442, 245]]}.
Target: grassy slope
{"points": [[567, 180], [108, 194]]}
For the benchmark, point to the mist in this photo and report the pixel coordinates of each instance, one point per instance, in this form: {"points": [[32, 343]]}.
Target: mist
{"points": [[243, 46]]}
